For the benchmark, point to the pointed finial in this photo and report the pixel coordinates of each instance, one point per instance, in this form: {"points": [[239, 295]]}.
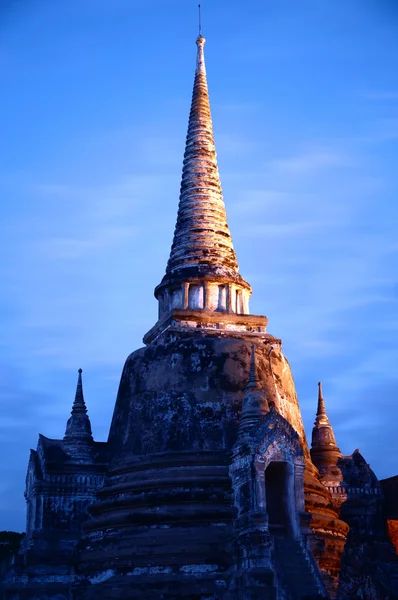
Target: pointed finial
{"points": [[78, 427], [200, 21], [253, 379], [254, 403], [200, 41], [202, 246], [324, 450], [321, 402], [79, 405], [253, 365]]}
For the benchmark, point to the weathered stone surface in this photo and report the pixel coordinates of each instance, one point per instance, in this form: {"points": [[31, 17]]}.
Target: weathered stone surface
{"points": [[392, 528], [369, 567], [389, 489], [62, 480], [325, 453], [202, 273], [206, 488], [201, 235], [185, 395], [179, 403], [169, 496]]}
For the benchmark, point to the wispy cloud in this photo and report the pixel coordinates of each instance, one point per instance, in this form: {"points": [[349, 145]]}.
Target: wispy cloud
{"points": [[379, 130], [381, 95], [90, 173], [272, 231], [96, 241], [314, 160]]}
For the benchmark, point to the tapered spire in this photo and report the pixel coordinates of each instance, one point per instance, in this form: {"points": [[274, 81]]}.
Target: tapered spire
{"points": [[324, 450], [202, 236], [78, 434], [254, 403], [322, 434], [202, 246], [321, 412], [253, 379], [202, 274]]}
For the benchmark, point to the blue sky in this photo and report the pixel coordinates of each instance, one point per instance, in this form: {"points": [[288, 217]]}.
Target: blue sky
{"points": [[94, 105]]}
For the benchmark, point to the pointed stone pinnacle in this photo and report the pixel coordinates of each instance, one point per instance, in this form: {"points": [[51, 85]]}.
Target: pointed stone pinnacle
{"points": [[324, 450], [79, 406], [78, 427], [202, 237], [322, 430], [253, 379], [321, 402]]}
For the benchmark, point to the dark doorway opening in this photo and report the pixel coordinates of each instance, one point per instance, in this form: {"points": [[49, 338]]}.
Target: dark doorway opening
{"points": [[277, 498]]}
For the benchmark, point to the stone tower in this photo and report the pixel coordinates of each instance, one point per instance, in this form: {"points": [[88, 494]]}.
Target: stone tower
{"points": [[62, 479], [180, 512], [206, 488], [325, 453]]}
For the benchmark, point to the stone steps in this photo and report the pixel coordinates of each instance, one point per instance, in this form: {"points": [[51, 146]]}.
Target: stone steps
{"points": [[296, 569]]}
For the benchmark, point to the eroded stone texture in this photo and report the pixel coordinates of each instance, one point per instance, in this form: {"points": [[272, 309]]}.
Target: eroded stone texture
{"points": [[169, 495], [390, 491], [202, 273], [186, 395], [206, 488], [178, 406], [325, 453], [202, 234], [392, 528], [358, 497], [62, 480], [370, 564], [271, 528]]}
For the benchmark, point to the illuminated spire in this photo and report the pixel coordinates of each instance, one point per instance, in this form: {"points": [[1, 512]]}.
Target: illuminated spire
{"points": [[324, 450], [321, 412], [202, 237], [202, 273]]}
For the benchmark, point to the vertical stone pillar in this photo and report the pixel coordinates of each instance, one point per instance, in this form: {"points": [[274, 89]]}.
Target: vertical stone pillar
{"points": [[299, 484], [39, 513], [245, 300], [206, 295], [229, 298], [185, 295], [166, 303], [254, 578]]}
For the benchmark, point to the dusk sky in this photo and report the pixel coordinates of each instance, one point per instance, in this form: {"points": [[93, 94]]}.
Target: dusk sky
{"points": [[94, 106]]}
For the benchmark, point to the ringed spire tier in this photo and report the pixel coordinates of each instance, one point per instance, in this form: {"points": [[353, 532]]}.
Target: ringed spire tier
{"points": [[325, 453], [202, 273], [78, 437], [202, 238]]}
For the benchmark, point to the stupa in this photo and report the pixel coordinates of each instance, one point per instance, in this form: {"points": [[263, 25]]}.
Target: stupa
{"points": [[206, 488]]}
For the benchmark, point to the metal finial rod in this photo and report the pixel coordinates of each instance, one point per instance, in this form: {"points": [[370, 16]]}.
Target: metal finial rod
{"points": [[200, 20]]}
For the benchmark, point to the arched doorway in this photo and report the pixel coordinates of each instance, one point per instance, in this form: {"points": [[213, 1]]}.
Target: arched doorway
{"points": [[279, 502]]}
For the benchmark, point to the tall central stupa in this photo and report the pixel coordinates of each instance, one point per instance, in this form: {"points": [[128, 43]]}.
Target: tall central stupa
{"points": [[199, 502], [205, 489]]}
